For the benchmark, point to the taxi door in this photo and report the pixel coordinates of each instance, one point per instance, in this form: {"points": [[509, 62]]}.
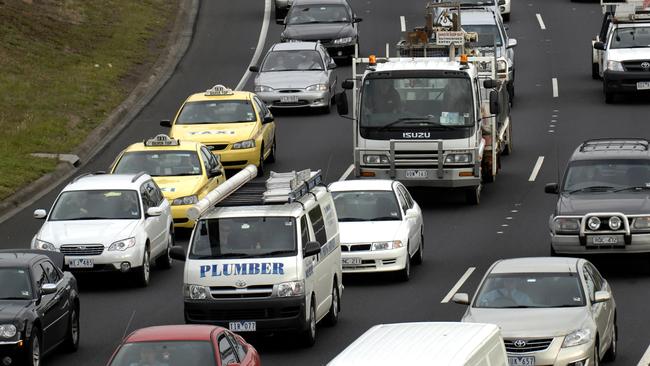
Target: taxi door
{"points": [[268, 128]]}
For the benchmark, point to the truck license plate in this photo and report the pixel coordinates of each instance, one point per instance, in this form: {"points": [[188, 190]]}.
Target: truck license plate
{"points": [[350, 261], [289, 99], [416, 174], [521, 360], [81, 263], [604, 240], [242, 326], [643, 85]]}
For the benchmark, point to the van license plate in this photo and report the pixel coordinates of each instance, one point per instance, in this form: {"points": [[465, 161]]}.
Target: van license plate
{"points": [[643, 85], [521, 360], [289, 99], [350, 261], [416, 174], [604, 240], [81, 263], [242, 326]]}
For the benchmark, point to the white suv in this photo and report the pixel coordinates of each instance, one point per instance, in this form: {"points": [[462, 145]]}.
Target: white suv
{"points": [[115, 222]]}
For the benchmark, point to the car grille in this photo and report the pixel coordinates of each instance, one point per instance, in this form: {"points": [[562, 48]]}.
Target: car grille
{"points": [[530, 345], [233, 163], [355, 247], [291, 90], [81, 250], [636, 65], [228, 292], [217, 147], [243, 314]]}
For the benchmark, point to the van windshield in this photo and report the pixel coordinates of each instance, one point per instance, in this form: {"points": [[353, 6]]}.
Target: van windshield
{"points": [[244, 237]]}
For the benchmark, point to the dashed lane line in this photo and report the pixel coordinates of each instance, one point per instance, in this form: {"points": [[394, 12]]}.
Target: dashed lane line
{"points": [[540, 21], [536, 168], [556, 92]]}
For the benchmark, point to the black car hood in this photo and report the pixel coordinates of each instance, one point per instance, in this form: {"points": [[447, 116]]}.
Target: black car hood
{"points": [[12, 309], [318, 31], [629, 203]]}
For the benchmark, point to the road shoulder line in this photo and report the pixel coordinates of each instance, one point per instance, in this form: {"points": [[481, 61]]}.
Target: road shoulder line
{"points": [[260, 44]]}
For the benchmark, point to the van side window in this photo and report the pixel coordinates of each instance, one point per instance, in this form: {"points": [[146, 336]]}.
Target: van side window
{"points": [[304, 230], [316, 217]]}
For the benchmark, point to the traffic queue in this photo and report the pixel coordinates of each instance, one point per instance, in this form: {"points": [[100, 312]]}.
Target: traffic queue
{"points": [[268, 251]]}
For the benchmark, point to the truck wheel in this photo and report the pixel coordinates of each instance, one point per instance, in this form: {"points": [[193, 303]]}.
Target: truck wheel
{"points": [[487, 176], [594, 71], [473, 195], [308, 337]]}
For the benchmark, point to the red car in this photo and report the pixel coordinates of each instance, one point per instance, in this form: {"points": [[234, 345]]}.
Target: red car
{"points": [[184, 345]]}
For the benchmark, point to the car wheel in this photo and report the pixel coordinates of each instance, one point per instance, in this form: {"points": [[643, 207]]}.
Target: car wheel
{"points": [[553, 252], [596, 355], [405, 274], [594, 71], [308, 337], [609, 97], [613, 346], [33, 354], [271, 158], [260, 167], [419, 256], [165, 259], [473, 195], [333, 314], [144, 272], [71, 342]]}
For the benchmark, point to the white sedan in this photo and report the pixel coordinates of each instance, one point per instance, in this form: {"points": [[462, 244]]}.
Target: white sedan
{"points": [[380, 224]]}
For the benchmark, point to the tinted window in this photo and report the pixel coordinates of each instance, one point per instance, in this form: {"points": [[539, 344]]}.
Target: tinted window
{"points": [[159, 163], [366, 206], [314, 13], [147, 200], [174, 353], [606, 175], [317, 222], [39, 276], [96, 205], [14, 283], [53, 275], [535, 290], [216, 111], [293, 61], [226, 351]]}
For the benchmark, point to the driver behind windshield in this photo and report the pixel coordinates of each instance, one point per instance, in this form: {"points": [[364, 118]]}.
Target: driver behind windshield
{"points": [[508, 294], [382, 97]]}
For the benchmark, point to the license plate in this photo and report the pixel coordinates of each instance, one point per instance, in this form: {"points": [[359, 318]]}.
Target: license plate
{"points": [[289, 99], [350, 261], [643, 85], [416, 174], [521, 360], [81, 263], [604, 240], [242, 326]]}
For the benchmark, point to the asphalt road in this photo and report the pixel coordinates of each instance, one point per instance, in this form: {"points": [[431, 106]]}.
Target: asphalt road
{"points": [[511, 220]]}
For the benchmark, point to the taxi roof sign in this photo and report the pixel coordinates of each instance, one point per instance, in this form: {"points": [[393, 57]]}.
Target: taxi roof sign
{"points": [[218, 90], [162, 140]]}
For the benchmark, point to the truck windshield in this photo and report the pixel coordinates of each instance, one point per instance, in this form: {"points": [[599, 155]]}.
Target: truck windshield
{"points": [[244, 237], [530, 290], [404, 103], [631, 37]]}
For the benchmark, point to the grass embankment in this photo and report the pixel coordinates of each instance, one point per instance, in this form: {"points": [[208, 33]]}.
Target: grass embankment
{"points": [[64, 65]]}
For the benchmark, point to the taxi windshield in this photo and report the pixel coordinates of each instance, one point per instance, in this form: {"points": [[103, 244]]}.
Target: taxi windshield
{"points": [[315, 13], [607, 175], [216, 111], [244, 237], [530, 290], [15, 284], [488, 34], [293, 61], [159, 163], [96, 205], [631, 37], [366, 206], [168, 353]]}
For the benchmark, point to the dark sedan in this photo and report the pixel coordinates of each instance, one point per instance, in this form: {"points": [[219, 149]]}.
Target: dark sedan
{"points": [[39, 306], [332, 22]]}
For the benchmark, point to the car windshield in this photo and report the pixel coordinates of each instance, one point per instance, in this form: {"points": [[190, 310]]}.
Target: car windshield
{"points": [[606, 175], [477, 2], [403, 103], [292, 61], [315, 13], [530, 290], [366, 206], [15, 284], [244, 237], [488, 34], [631, 37], [216, 111], [171, 353], [159, 163], [96, 205]]}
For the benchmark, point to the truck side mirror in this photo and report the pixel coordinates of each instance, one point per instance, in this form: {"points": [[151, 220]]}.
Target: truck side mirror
{"points": [[489, 84], [341, 100], [311, 248], [599, 46], [551, 188], [494, 102]]}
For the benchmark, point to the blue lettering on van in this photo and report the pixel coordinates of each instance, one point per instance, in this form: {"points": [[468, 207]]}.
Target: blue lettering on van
{"points": [[241, 269]]}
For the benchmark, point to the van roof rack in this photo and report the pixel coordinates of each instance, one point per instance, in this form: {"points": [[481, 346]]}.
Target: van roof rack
{"points": [[634, 144]]}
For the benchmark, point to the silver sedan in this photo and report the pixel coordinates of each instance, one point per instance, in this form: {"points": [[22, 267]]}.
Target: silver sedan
{"points": [[296, 75], [551, 311]]}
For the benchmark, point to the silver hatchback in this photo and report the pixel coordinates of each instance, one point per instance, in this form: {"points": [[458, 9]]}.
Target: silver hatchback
{"points": [[295, 75], [551, 311]]}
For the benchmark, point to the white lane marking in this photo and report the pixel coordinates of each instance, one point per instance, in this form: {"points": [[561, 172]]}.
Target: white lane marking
{"points": [[555, 90], [541, 22], [538, 166], [260, 44], [126, 330], [347, 172], [645, 360], [402, 23], [458, 285]]}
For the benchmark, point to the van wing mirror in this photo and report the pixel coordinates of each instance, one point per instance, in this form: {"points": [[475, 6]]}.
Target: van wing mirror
{"points": [[494, 102], [489, 84], [311, 248], [177, 252], [347, 84], [601, 296], [460, 298]]}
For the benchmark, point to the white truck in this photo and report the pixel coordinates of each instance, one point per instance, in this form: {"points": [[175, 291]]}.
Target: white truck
{"points": [[430, 121]]}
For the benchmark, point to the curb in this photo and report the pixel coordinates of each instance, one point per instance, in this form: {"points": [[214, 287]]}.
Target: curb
{"points": [[178, 43]]}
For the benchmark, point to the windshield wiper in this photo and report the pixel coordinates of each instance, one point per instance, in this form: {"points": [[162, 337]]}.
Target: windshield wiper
{"points": [[592, 189], [232, 255], [344, 219], [402, 120], [632, 188], [276, 252]]}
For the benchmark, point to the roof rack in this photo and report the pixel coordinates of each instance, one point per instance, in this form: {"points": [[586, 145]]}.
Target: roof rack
{"points": [[627, 11], [635, 144], [86, 175]]}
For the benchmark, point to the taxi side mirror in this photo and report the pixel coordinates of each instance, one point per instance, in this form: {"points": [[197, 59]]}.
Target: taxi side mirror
{"points": [[311, 248], [166, 123], [177, 252], [214, 172], [268, 118]]}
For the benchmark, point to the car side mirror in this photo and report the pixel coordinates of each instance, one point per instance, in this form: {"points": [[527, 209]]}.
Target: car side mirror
{"points": [[177, 252], [341, 101], [460, 298], [332, 65], [311, 248], [40, 214], [494, 102], [411, 213], [154, 211], [254, 68], [214, 172], [599, 46], [601, 296], [165, 123], [512, 43], [489, 84], [268, 119], [357, 20], [347, 84], [49, 288], [551, 188]]}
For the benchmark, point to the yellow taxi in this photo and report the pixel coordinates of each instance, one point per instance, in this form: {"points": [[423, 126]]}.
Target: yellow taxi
{"points": [[237, 125], [185, 171]]}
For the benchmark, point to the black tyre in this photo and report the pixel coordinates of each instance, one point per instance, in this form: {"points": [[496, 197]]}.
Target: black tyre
{"points": [[596, 355], [308, 337], [260, 167], [165, 259], [594, 71], [333, 314], [405, 274], [613, 346], [473, 195], [506, 17], [143, 273], [33, 350], [419, 256], [609, 97], [71, 342], [271, 158]]}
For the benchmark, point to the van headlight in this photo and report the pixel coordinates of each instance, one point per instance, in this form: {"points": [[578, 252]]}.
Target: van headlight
{"points": [[7, 330], [615, 66], [187, 200], [42, 244], [458, 158], [375, 159], [317, 87], [385, 245], [196, 292], [246, 144], [566, 225], [580, 336], [291, 288]]}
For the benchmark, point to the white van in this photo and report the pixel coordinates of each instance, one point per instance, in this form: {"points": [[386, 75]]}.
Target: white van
{"points": [[432, 343], [266, 258]]}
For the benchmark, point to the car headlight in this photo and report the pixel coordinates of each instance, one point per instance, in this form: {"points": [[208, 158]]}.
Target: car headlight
{"points": [[566, 225], [641, 223], [42, 244], [458, 159], [593, 223], [317, 87], [187, 200], [580, 336], [375, 159], [615, 222], [614, 66], [247, 144], [122, 245], [263, 89], [342, 40], [385, 245], [291, 288], [7, 330], [196, 292]]}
